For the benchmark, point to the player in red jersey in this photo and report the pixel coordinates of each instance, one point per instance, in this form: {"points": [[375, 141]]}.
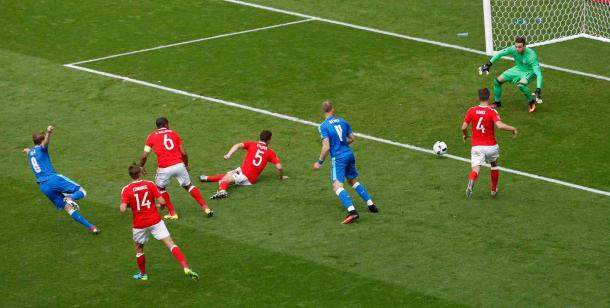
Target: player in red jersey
{"points": [[254, 163], [140, 196], [173, 162], [485, 149]]}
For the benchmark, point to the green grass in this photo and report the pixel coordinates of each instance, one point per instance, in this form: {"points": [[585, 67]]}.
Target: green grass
{"points": [[280, 243]]}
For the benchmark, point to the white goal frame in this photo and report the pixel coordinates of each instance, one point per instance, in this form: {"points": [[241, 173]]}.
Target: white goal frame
{"points": [[490, 48]]}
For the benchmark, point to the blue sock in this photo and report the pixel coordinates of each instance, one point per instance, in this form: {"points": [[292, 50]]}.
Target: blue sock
{"points": [[78, 195], [80, 219], [362, 192], [344, 197]]}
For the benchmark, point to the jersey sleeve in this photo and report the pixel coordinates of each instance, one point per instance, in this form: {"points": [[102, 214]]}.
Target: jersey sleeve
{"points": [[495, 116], [467, 118], [149, 143], [124, 196], [273, 157], [348, 129], [178, 139], [502, 53], [247, 144], [322, 131]]}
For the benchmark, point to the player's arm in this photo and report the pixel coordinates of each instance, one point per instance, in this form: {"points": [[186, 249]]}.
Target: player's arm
{"points": [[234, 148], [506, 127], [487, 66], [323, 153], [464, 131], [123, 207], [160, 202], [280, 171], [539, 79], [185, 157], [47, 137], [351, 138]]}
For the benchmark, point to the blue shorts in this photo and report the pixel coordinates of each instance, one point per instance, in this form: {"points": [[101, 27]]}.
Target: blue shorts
{"points": [[55, 188], [343, 166]]}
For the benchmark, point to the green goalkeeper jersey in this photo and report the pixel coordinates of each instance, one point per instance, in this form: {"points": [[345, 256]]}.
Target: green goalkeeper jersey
{"points": [[526, 62]]}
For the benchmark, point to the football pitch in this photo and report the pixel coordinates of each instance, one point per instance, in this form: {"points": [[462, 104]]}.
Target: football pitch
{"points": [[222, 71]]}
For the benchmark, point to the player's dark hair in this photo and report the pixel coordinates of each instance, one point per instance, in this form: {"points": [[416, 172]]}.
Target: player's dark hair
{"points": [[484, 95], [327, 106], [134, 171], [265, 135], [162, 122], [38, 137], [520, 39]]}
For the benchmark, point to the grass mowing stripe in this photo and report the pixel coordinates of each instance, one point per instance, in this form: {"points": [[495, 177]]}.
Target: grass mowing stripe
{"points": [[407, 37], [295, 119], [193, 41]]}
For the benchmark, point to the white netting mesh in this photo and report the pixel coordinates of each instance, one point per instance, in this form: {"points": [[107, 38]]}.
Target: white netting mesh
{"points": [[546, 21]]}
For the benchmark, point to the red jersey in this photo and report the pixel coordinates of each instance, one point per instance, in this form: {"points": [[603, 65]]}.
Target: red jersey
{"points": [[256, 159], [166, 145], [482, 120], [140, 197]]}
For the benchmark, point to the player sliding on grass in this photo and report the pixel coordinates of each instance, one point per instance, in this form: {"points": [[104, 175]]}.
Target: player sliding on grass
{"points": [[336, 136], [525, 70], [254, 163], [140, 196], [484, 145], [173, 162], [62, 191]]}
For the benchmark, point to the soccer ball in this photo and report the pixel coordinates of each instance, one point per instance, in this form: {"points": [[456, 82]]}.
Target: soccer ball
{"points": [[439, 148]]}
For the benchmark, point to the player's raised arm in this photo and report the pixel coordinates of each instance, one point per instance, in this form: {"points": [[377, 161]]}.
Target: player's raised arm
{"points": [[506, 127], [47, 137], [323, 153], [234, 149]]}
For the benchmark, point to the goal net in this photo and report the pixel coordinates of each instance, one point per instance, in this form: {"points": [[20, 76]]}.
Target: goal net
{"points": [[544, 21]]}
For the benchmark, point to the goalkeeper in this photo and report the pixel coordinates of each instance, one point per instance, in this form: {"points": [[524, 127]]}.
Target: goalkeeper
{"points": [[525, 70]]}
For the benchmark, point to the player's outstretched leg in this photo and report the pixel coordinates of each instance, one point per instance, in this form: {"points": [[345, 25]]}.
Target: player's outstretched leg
{"points": [[471, 179], [223, 185], [80, 219], [173, 248], [196, 194], [364, 195], [497, 93], [211, 178]]}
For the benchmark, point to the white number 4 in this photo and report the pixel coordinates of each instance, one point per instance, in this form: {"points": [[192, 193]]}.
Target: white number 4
{"points": [[480, 127]]}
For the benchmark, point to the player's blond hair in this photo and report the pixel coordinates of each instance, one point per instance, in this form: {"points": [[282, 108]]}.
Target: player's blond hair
{"points": [[327, 106]]}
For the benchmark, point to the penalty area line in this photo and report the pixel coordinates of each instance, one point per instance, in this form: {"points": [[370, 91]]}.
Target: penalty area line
{"points": [[194, 41], [310, 123]]}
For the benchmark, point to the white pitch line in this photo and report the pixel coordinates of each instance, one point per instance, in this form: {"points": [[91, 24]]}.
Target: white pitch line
{"points": [[194, 41], [406, 37], [297, 120]]}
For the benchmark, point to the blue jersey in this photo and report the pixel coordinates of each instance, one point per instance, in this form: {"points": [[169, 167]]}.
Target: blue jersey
{"points": [[337, 131], [41, 163]]}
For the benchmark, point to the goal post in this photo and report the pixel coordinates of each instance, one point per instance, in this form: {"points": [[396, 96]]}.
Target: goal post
{"points": [[544, 22]]}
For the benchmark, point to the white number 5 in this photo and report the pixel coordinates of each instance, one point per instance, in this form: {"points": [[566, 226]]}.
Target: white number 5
{"points": [[258, 158]]}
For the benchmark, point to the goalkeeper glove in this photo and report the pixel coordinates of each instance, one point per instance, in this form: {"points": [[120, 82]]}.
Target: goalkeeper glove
{"points": [[485, 68], [538, 94]]}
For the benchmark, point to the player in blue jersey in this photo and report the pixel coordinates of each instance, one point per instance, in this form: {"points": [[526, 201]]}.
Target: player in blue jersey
{"points": [[62, 191], [336, 135]]}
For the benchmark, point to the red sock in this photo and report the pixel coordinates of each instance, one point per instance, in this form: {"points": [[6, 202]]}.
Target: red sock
{"points": [[222, 185], [196, 194], [215, 178], [473, 175], [168, 203], [141, 260], [495, 175], [179, 256]]}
